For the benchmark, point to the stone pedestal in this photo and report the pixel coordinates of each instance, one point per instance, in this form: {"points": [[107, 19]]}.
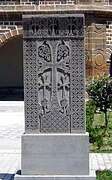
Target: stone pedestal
{"points": [[65, 154], [55, 156]]}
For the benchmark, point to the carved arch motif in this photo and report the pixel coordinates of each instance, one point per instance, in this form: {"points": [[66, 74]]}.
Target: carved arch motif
{"points": [[10, 33]]}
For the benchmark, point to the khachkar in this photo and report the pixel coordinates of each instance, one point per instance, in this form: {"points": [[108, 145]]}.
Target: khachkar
{"points": [[55, 143]]}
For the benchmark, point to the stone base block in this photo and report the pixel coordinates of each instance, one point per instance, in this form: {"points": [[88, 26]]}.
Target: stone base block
{"points": [[55, 154], [91, 176]]}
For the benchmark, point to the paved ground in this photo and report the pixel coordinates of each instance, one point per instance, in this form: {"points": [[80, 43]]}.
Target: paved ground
{"points": [[11, 129]]}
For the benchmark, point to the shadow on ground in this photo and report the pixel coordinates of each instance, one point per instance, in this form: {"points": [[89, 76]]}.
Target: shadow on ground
{"points": [[11, 94], [6, 176]]}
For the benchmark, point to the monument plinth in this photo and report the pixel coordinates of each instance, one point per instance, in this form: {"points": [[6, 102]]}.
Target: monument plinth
{"points": [[55, 144]]}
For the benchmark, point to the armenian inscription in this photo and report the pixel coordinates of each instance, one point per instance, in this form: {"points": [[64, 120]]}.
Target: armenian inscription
{"points": [[54, 73]]}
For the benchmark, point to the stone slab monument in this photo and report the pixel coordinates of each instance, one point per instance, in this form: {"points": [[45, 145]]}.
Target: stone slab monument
{"points": [[55, 145]]}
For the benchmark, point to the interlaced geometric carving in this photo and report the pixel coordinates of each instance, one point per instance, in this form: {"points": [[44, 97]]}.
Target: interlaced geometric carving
{"points": [[77, 86], [54, 73], [30, 86]]}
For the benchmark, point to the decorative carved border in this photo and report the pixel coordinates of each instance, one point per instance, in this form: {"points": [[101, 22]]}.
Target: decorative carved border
{"points": [[47, 38]]}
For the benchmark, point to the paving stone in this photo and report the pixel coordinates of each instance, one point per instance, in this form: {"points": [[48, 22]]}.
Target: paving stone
{"points": [[94, 162]]}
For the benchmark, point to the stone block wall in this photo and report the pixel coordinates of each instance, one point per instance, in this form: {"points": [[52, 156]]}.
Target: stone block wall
{"points": [[77, 2], [108, 39], [88, 50], [106, 1], [96, 48]]}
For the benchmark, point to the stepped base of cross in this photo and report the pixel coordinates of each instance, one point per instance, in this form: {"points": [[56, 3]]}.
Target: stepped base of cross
{"points": [[91, 176], [55, 157]]}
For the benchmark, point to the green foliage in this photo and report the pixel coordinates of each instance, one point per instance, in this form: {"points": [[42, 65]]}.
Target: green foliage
{"points": [[104, 175], [95, 133], [99, 105], [90, 109], [98, 136], [89, 119], [100, 91], [102, 143], [110, 143]]}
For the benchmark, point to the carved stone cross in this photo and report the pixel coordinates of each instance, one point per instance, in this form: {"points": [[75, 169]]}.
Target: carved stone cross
{"points": [[56, 56]]}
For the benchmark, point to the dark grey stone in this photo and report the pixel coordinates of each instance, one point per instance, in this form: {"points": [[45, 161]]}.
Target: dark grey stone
{"points": [[54, 73]]}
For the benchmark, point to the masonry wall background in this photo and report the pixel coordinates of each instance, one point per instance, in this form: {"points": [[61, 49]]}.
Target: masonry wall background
{"points": [[98, 48], [108, 39]]}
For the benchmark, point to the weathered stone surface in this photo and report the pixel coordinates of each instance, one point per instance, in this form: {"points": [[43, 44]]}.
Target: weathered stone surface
{"points": [[95, 45], [54, 154]]}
